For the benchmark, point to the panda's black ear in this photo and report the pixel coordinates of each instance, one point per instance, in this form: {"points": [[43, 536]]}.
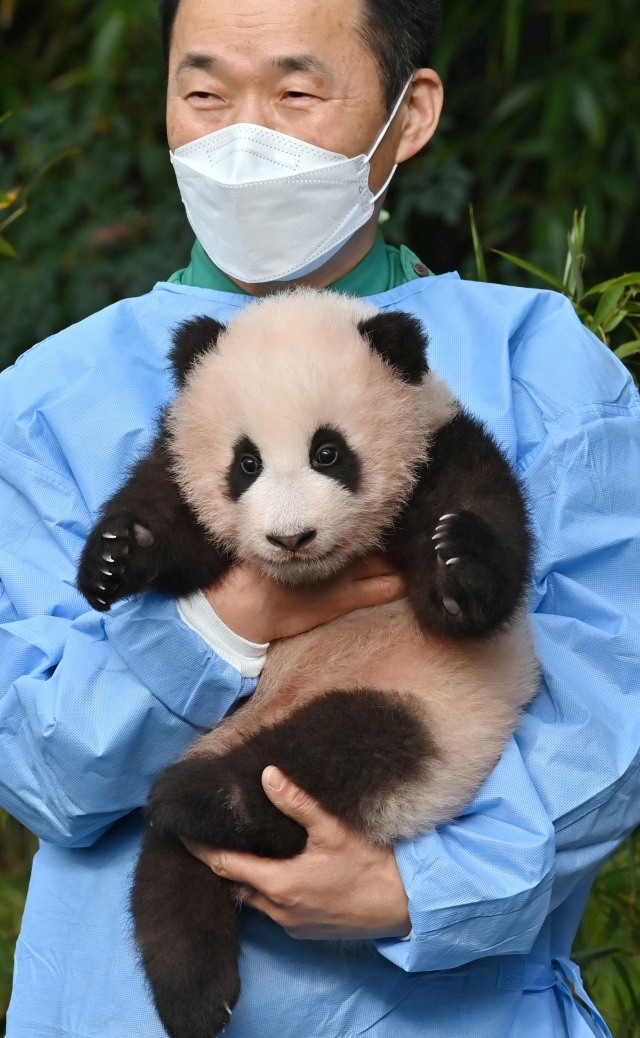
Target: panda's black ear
{"points": [[400, 340], [191, 339]]}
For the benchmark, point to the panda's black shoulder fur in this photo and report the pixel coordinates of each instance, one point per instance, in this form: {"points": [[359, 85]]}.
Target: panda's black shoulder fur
{"points": [[192, 339]]}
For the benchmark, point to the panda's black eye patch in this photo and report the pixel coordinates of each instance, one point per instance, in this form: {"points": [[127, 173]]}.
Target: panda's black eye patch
{"points": [[330, 454], [244, 469]]}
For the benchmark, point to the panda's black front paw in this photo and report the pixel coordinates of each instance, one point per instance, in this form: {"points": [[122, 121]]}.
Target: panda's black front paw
{"points": [[471, 571], [117, 560]]}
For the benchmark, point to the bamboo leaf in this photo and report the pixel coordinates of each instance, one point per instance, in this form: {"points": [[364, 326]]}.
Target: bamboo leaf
{"points": [[481, 265], [8, 198], [628, 349], [572, 280], [6, 249], [532, 269], [614, 320], [608, 304], [624, 279]]}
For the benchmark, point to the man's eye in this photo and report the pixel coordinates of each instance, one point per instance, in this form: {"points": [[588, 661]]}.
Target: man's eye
{"points": [[204, 97], [299, 95]]}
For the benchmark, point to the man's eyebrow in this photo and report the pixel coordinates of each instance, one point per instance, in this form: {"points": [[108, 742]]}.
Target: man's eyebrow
{"points": [[301, 63], [195, 60]]}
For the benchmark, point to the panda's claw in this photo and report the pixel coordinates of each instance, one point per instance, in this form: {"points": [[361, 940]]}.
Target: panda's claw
{"points": [[116, 561], [468, 570]]}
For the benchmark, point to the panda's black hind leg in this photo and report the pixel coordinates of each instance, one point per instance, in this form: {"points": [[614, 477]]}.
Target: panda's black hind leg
{"points": [[219, 801], [348, 748], [187, 930]]}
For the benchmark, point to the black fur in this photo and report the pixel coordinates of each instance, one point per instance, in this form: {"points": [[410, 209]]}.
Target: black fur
{"points": [[315, 747], [180, 907], [238, 481], [488, 533], [346, 468], [133, 546], [400, 340], [191, 340], [343, 747]]}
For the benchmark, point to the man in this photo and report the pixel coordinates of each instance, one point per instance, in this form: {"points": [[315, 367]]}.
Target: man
{"points": [[469, 928]]}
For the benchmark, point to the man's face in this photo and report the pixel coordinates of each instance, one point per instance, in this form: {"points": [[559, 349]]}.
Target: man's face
{"points": [[296, 66]]}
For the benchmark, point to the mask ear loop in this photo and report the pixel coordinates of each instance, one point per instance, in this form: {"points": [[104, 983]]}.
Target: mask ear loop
{"points": [[381, 136]]}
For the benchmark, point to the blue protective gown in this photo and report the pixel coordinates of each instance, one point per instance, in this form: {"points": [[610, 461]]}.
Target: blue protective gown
{"points": [[93, 705]]}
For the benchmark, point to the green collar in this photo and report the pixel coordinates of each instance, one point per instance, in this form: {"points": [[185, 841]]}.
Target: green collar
{"points": [[383, 268]]}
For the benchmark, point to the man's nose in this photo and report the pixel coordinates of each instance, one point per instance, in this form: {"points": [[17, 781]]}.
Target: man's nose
{"points": [[251, 108]]}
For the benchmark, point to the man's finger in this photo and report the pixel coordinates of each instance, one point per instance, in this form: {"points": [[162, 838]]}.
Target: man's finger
{"points": [[297, 804], [239, 867]]}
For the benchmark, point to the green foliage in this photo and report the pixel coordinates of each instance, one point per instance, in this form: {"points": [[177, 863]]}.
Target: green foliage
{"points": [[16, 849], [542, 117], [82, 82], [607, 947], [610, 309]]}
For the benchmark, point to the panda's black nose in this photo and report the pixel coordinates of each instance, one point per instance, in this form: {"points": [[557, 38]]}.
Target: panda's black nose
{"points": [[294, 541]]}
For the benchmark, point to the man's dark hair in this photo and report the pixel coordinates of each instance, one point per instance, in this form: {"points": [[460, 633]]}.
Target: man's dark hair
{"points": [[400, 34]]}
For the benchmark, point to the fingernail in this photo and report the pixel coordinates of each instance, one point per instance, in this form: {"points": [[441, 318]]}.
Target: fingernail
{"points": [[275, 779]]}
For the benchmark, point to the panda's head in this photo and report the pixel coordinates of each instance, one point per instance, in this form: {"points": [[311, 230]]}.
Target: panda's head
{"points": [[298, 429]]}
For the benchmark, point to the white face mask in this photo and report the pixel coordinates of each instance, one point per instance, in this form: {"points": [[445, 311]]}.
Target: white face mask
{"points": [[268, 207]]}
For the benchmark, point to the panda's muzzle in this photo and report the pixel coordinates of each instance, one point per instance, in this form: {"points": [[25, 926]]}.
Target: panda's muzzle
{"points": [[292, 542]]}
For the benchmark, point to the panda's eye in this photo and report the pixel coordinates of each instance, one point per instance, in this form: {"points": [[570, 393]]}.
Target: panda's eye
{"points": [[250, 465], [325, 456]]}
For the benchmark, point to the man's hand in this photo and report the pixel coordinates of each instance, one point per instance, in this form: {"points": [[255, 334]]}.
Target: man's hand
{"points": [[339, 887], [261, 610]]}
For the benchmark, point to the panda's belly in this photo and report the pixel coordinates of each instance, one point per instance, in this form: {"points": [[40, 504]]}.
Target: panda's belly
{"points": [[467, 693]]}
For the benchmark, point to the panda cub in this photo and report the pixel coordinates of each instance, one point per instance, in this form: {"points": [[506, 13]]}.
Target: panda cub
{"points": [[307, 433]]}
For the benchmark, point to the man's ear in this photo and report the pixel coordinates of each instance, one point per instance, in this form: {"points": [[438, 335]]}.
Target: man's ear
{"points": [[421, 111], [191, 340], [400, 340]]}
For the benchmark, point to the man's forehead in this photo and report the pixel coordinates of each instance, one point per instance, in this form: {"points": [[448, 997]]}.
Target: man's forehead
{"points": [[260, 20]]}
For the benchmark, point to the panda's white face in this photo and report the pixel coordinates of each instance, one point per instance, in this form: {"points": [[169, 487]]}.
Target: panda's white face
{"points": [[294, 442]]}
